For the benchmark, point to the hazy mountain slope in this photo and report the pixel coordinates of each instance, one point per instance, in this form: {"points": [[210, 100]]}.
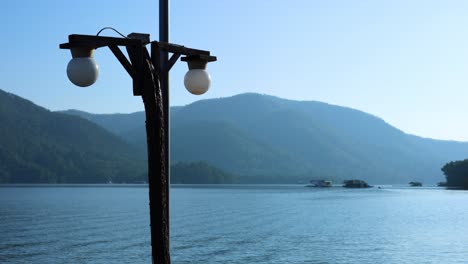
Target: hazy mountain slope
{"points": [[37, 145], [270, 137], [119, 124], [226, 146], [130, 127]]}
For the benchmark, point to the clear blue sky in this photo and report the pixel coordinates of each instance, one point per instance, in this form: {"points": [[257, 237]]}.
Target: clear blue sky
{"points": [[404, 61]]}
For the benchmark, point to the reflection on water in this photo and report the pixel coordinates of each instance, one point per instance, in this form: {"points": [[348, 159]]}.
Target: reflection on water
{"points": [[235, 224]]}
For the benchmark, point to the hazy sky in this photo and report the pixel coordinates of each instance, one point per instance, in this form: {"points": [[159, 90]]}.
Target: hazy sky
{"points": [[404, 61]]}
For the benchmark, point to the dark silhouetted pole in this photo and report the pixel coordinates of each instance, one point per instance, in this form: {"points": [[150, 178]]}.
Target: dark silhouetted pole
{"points": [[157, 129], [164, 37]]}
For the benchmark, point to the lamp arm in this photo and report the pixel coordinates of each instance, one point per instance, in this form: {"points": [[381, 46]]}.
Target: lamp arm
{"points": [[123, 60]]}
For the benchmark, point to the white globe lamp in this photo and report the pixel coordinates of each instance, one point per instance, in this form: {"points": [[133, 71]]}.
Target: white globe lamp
{"points": [[197, 81], [82, 70]]}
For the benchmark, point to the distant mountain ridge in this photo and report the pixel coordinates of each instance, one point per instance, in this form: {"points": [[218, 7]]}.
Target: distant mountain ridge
{"points": [[268, 139]]}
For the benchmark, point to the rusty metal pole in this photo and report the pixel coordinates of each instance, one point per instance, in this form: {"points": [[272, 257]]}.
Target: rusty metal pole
{"points": [[164, 77], [158, 173], [159, 191], [160, 209], [156, 101]]}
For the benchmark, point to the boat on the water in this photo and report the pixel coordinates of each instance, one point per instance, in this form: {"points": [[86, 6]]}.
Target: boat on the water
{"points": [[415, 184], [320, 183], [355, 184]]}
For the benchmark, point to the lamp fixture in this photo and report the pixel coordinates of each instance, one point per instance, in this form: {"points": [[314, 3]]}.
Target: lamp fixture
{"points": [[197, 80], [82, 70]]}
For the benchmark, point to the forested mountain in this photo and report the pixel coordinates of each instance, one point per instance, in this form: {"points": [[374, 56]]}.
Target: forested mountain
{"points": [[40, 146], [267, 139], [249, 138]]}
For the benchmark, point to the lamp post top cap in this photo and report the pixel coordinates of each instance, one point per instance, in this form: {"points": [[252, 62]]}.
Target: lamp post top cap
{"points": [[145, 38]]}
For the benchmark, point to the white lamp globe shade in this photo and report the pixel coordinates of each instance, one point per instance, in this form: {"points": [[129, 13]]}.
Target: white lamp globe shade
{"points": [[82, 71], [197, 81]]}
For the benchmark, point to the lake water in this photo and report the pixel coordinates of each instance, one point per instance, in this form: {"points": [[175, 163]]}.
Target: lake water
{"points": [[235, 224]]}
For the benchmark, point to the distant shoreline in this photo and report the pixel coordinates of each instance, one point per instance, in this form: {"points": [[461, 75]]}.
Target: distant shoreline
{"points": [[178, 185]]}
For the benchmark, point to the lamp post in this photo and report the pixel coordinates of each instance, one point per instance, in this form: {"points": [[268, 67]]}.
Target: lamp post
{"points": [[149, 72]]}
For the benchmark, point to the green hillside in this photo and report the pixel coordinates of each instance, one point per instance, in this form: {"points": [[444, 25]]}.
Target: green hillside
{"points": [[39, 146]]}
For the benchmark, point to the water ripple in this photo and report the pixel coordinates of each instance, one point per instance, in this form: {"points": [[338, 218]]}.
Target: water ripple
{"points": [[239, 224]]}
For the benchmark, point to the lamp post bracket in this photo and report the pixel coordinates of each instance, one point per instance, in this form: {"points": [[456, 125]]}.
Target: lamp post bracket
{"points": [[145, 38], [135, 39], [95, 42], [174, 48]]}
